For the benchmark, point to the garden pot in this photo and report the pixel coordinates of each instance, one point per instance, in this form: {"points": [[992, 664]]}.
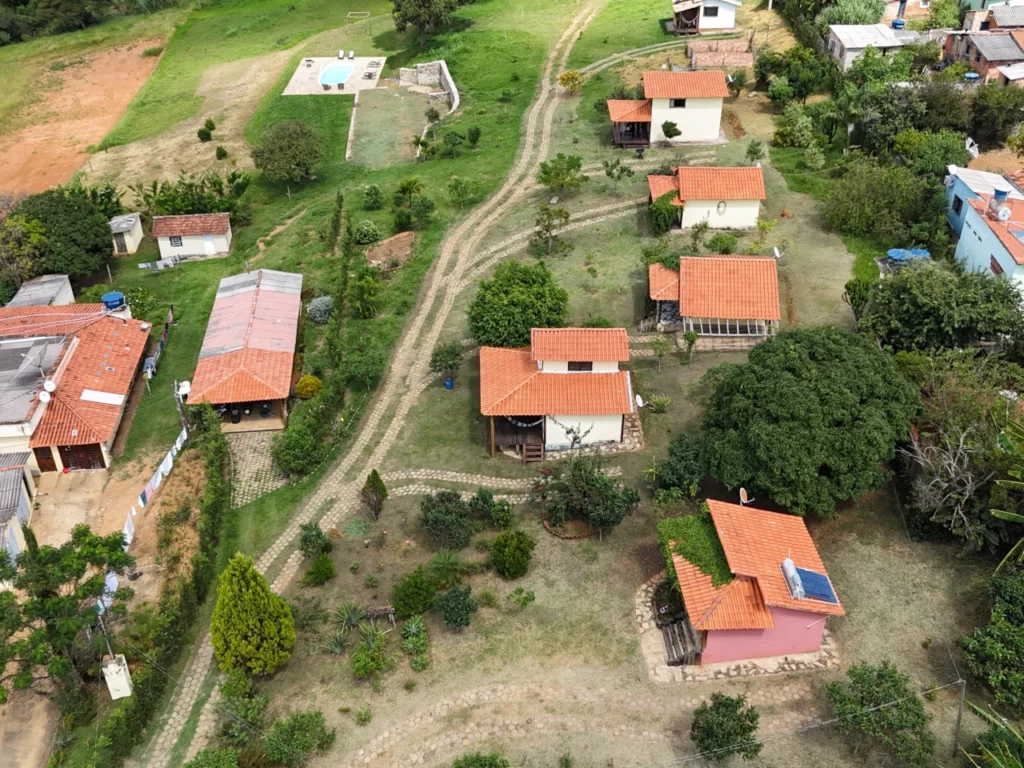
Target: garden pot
{"points": [[449, 383]]}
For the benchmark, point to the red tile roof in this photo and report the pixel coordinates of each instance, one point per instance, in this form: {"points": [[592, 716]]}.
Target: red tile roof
{"points": [[736, 605], [742, 183], [192, 224], [729, 287], [662, 185], [249, 345], [584, 344], [18, 322], [104, 357], [1004, 230], [511, 384], [629, 110], [663, 283], [709, 84]]}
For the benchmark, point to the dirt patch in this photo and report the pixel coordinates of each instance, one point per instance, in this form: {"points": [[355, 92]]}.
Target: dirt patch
{"points": [[77, 107], [231, 93], [391, 253], [997, 161], [733, 125], [767, 26], [26, 725]]}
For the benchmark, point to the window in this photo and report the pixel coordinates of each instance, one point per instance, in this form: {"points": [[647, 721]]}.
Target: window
{"points": [[710, 11], [677, 103], [926, 4], [175, 241], [958, 204], [580, 366], [721, 207], [994, 266], [832, 46]]}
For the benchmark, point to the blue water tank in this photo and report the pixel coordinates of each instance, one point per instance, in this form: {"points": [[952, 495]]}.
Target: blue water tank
{"points": [[1001, 195], [971, 77], [898, 23], [113, 300]]}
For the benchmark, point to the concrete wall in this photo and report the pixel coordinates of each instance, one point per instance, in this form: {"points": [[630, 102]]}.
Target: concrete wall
{"points": [[699, 120], [133, 238], [429, 74], [794, 632], [738, 214], [965, 193], [603, 429], [562, 366], [726, 18], [194, 245], [979, 245]]}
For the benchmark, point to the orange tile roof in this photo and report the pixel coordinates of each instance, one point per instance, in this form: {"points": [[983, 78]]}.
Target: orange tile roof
{"points": [[1004, 230], [707, 84], [663, 283], [19, 322], [629, 110], [585, 344], [103, 357], [755, 544], [242, 376], [742, 183], [736, 605], [511, 384], [192, 224], [729, 287], [662, 185]]}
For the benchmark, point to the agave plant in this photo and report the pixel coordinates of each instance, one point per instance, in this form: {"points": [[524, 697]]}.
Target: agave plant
{"points": [[1011, 440], [445, 569], [414, 627], [373, 634], [348, 615], [333, 643], [415, 645]]}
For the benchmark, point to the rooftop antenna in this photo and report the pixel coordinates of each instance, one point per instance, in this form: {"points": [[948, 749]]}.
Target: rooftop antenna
{"points": [[639, 401], [744, 498]]}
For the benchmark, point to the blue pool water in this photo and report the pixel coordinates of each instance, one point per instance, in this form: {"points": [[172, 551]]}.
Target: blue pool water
{"points": [[335, 73]]}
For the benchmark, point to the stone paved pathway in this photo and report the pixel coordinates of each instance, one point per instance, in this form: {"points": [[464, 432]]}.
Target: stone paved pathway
{"points": [[185, 698], [253, 473]]}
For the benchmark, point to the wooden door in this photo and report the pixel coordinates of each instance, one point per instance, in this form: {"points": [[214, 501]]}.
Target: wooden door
{"points": [[119, 244], [44, 458], [82, 456]]}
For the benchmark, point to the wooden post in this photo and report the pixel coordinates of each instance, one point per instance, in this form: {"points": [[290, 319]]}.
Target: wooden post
{"points": [[492, 437], [959, 717]]}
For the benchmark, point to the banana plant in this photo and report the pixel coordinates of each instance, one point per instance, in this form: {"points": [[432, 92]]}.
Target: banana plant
{"points": [[1011, 440]]}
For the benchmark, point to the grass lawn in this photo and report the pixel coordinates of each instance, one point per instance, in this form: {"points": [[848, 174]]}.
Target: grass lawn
{"points": [[620, 27], [388, 121]]}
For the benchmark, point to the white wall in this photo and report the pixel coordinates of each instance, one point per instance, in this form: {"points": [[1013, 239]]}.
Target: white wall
{"points": [[738, 214], [193, 245], [603, 429], [699, 120], [133, 238], [562, 366], [726, 18]]}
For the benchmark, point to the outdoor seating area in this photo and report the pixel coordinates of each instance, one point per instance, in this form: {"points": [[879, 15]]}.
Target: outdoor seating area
{"points": [[347, 74]]}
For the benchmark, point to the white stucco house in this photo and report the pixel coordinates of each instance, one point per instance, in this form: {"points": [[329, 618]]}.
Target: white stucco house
{"points": [[992, 238], [201, 234], [963, 184], [691, 17], [728, 198], [690, 100], [127, 233], [847, 42], [567, 380]]}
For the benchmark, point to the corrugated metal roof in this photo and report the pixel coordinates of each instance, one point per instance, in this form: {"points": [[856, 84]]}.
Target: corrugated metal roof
{"points": [[1008, 15], [985, 182], [875, 35], [39, 291], [125, 222], [10, 460], [1012, 71], [10, 493], [996, 47]]}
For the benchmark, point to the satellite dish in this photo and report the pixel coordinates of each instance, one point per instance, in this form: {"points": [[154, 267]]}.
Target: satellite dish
{"points": [[639, 401], [744, 498], [44, 396], [777, 252], [49, 386], [184, 388]]}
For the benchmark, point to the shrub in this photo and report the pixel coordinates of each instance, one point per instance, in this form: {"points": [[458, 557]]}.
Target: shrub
{"points": [[596, 321], [210, 125], [246, 707], [480, 760], [445, 569], [366, 232], [211, 757], [373, 198], [291, 740], [572, 80], [447, 358], [204, 134], [659, 403], [511, 553], [446, 519], [415, 646], [814, 158], [480, 504], [414, 594], [348, 615], [456, 607], [153, 52], [725, 727], [368, 662], [420, 663], [995, 654], [473, 135], [682, 467], [364, 716], [793, 128], [313, 542], [503, 516], [320, 309], [220, 152], [722, 242], [307, 386], [521, 597], [422, 209], [403, 220], [320, 572], [670, 129], [780, 91], [663, 213]]}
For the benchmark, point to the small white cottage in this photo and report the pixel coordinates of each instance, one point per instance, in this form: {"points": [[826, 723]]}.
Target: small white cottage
{"points": [[727, 198], [690, 101], [127, 232], [199, 234], [691, 17]]}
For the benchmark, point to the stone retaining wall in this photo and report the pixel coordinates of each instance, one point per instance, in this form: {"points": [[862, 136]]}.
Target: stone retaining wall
{"points": [[432, 73]]}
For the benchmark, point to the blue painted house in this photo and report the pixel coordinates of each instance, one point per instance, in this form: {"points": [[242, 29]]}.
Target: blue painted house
{"points": [[992, 239], [963, 184]]}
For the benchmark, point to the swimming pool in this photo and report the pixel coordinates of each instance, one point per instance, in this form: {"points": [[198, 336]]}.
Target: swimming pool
{"points": [[333, 74]]}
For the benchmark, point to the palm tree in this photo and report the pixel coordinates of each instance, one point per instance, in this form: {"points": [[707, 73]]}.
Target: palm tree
{"points": [[407, 189], [445, 569], [1012, 442]]}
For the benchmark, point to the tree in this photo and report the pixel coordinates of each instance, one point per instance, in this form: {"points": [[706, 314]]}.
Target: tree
{"points": [[996, 111], [664, 213], [77, 235], [447, 358], [290, 151], [365, 361], [725, 727], [697, 234], [660, 348], [682, 468], [780, 92], [944, 14], [457, 607], [931, 153], [755, 150], [946, 105], [462, 191], [577, 488], [511, 553], [562, 174], [473, 135], [517, 299], [877, 705], [670, 130], [549, 221], [364, 293], [446, 519], [252, 628], [857, 295], [414, 594], [407, 190], [433, 118], [55, 590], [374, 493], [373, 198], [808, 419], [445, 569], [793, 128], [995, 653], [313, 541], [425, 15], [616, 170], [22, 242], [422, 209], [737, 80], [572, 80], [1012, 443], [933, 307], [291, 740], [764, 228]]}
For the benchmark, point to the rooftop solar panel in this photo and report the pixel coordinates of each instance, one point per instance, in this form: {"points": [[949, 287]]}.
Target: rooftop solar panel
{"points": [[817, 586]]}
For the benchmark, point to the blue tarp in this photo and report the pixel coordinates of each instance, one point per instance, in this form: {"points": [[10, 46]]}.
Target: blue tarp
{"points": [[902, 254]]}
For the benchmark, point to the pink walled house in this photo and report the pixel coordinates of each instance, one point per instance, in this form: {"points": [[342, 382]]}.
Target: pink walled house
{"points": [[762, 611]]}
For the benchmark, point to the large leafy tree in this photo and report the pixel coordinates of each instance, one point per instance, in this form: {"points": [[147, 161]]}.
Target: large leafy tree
{"points": [[252, 628], [21, 246], [518, 298], [55, 590], [724, 727], [995, 653], [77, 235], [578, 488], [808, 419], [425, 15], [290, 151], [25, 19], [562, 173], [934, 307]]}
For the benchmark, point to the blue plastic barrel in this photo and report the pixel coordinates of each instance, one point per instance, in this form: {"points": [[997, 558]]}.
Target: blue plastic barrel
{"points": [[113, 300], [449, 383], [898, 23]]}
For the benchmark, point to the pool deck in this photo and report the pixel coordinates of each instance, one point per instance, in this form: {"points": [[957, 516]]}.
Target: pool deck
{"points": [[306, 79]]}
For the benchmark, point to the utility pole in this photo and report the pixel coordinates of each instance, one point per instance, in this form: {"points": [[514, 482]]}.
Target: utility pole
{"points": [[959, 717]]}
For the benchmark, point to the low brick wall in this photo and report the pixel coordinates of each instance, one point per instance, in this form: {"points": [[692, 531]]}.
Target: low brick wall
{"points": [[717, 46]]}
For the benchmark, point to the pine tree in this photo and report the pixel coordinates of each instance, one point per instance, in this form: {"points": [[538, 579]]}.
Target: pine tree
{"points": [[252, 627], [374, 493]]}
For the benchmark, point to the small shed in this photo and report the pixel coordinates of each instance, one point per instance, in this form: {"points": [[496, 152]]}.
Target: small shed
{"points": [[127, 233], [194, 235], [44, 291]]}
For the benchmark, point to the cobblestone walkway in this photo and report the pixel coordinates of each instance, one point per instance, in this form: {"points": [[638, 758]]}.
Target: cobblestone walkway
{"points": [[253, 473]]}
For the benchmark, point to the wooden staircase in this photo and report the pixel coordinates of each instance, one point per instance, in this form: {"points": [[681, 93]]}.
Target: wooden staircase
{"points": [[533, 453]]}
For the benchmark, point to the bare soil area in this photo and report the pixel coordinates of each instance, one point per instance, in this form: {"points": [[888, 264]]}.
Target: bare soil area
{"points": [[392, 252], [78, 105], [26, 724], [997, 161]]}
